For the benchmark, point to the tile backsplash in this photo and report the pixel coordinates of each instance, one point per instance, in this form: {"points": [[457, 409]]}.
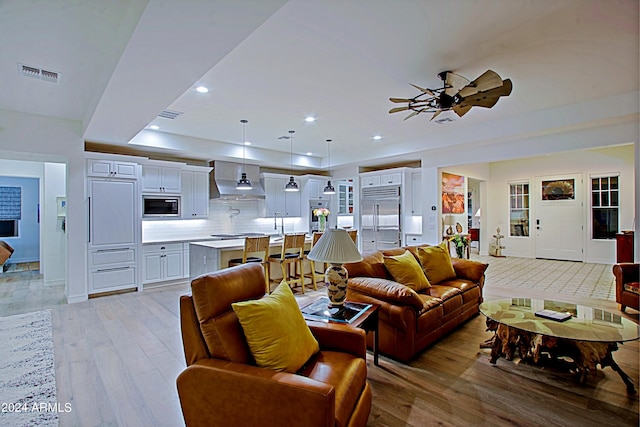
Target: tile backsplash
{"points": [[225, 217]]}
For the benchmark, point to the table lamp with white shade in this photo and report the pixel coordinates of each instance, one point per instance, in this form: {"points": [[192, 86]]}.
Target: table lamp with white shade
{"points": [[336, 248]]}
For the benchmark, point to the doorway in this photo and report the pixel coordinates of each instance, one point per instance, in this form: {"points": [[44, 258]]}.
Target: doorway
{"points": [[559, 217]]}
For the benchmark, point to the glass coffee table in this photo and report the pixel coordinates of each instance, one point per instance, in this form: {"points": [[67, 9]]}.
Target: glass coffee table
{"points": [[359, 315], [537, 327]]}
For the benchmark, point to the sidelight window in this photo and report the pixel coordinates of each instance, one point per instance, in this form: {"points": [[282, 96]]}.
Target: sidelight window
{"points": [[605, 192], [519, 210]]}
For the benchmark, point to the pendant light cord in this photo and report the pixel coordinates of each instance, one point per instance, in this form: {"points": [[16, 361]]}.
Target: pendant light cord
{"points": [[329, 153], [244, 145], [291, 132]]}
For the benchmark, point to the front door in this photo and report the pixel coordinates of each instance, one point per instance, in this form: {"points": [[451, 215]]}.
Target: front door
{"points": [[559, 217]]}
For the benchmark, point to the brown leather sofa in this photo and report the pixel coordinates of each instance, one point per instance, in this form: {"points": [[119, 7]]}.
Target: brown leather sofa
{"points": [[222, 386], [627, 291], [411, 321]]}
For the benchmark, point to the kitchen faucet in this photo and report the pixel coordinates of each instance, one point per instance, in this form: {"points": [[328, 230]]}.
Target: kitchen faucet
{"points": [[275, 224]]}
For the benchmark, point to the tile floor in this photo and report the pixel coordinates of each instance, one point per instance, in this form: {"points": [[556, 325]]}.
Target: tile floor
{"points": [[22, 289]]}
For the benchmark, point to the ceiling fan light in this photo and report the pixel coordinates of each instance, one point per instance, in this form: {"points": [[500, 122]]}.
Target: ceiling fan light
{"points": [[291, 185], [243, 183], [329, 189]]}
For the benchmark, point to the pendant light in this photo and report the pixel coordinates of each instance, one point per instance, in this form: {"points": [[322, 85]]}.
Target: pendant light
{"points": [[291, 185], [329, 189], [243, 183]]}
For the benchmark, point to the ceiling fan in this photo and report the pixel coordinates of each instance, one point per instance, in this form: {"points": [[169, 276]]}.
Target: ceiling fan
{"points": [[457, 94]]}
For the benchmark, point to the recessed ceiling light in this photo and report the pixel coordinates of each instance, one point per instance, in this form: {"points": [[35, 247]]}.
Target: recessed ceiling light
{"points": [[309, 153], [309, 119], [377, 137], [154, 127], [247, 143], [202, 89]]}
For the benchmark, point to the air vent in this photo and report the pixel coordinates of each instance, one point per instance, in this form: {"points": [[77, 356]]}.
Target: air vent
{"points": [[38, 73], [386, 191], [168, 114]]}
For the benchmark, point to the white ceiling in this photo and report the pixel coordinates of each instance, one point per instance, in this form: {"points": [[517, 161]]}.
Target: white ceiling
{"points": [[273, 62]]}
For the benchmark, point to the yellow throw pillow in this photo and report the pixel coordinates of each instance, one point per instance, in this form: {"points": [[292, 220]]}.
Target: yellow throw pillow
{"points": [[406, 270], [276, 332], [436, 263]]}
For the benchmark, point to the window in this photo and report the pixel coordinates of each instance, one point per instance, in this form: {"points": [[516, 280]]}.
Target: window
{"points": [[10, 210], [519, 210], [8, 228], [604, 207]]}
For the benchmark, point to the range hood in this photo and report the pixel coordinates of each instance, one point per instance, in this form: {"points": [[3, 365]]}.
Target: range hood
{"points": [[225, 175]]}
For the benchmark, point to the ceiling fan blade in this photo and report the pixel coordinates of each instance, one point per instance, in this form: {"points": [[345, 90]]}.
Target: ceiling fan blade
{"points": [[479, 98], [400, 100], [422, 89], [486, 102], [412, 114], [461, 110], [455, 83], [436, 114], [398, 109], [487, 81]]}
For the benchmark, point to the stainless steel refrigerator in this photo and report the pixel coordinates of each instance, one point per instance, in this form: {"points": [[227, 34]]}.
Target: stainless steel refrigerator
{"points": [[380, 218]]}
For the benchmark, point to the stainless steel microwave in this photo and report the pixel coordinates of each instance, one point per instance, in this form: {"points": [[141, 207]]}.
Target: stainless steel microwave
{"points": [[160, 206]]}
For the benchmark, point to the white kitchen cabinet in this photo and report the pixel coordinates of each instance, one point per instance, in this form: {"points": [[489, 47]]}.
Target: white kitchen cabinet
{"points": [[113, 213], [111, 169], [162, 262], [160, 179], [114, 233], [391, 179], [278, 200], [413, 239], [195, 194], [370, 181], [345, 197], [316, 188], [379, 179], [416, 194]]}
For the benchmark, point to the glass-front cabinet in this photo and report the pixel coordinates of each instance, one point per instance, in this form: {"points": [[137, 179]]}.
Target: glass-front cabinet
{"points": [[345, 197]]}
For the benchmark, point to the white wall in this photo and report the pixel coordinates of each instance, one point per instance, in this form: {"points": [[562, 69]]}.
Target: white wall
{"points": [[38, 138], [225, 217], [52, 239], [53, 243], [595, 161]]}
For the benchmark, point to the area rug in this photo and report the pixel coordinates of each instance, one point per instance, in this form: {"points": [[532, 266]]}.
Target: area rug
{"points": [[27, 372]]}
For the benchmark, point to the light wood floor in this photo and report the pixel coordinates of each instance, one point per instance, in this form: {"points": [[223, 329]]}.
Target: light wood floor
{"points": [[117, 359]]}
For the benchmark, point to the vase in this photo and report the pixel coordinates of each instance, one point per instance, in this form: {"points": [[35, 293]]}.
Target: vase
{"points": [[322, 223], [336, 278]]}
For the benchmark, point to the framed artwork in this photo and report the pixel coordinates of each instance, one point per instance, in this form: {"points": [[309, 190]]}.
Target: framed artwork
{"points": [[453, 196], [559, 189]]}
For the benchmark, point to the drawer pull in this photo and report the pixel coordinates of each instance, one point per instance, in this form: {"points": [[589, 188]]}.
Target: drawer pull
{"points": [[112, 269]]}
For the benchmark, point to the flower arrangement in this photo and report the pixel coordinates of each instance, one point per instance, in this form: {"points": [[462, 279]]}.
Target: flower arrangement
{"points": [[321, 212], [460, 243]]}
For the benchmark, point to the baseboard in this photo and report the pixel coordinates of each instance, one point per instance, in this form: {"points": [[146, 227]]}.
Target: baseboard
{"points": [[77, 298], [51, 283]]}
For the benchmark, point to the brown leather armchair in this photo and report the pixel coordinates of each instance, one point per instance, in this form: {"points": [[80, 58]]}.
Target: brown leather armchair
{"points": [[627, 291], [222, 386]]}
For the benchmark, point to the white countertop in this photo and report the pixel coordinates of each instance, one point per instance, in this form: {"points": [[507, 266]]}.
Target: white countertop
{"points": [[234, 244]]}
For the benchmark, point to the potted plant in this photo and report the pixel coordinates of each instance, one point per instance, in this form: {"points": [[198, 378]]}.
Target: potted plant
{"points": [[461, 243]]}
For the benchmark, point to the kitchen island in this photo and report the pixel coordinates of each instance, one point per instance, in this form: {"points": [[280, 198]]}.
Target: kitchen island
{"points": [[213, 255]]}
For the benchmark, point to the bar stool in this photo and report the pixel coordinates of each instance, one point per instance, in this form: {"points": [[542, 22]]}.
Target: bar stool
{"points": [[313, 274], [291, 253], [354, 236], [256, 249]]}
